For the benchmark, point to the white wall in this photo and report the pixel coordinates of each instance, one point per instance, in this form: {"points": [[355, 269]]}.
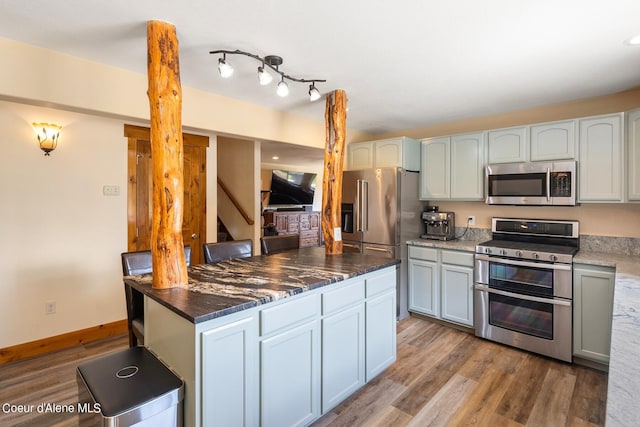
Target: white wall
{"points": [[61, 238]]}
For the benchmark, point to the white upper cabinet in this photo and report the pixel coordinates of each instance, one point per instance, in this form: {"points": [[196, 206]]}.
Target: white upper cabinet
{"points": [[467, 166], [633, 141], [453, 167], [601, 166], [507, 145], [553, 141], [434, 175], [360, 155], [394, 152]]}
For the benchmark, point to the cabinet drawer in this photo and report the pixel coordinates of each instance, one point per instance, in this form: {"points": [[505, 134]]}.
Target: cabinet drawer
{"points": [[308, 242], [293, 227], [289, 313], [382, 282], [342, 297], [428, 254], [458, 258]]}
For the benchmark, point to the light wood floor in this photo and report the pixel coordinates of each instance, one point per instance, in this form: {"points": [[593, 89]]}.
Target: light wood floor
{"points": [[442, 377], [446, 377]]}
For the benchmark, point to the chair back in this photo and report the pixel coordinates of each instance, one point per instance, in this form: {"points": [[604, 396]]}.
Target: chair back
{"points": [[215, 252], [274, 244], [133, 263], [139, 262]]}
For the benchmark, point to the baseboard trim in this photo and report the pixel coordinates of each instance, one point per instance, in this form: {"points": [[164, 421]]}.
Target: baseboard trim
{"points": [[60, 342]]}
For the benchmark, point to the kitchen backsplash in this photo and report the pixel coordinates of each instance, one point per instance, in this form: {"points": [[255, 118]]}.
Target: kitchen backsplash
{"points": [[620, 245], [607, 244]]}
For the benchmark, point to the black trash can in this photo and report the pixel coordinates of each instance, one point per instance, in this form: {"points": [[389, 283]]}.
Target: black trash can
{"points": [[129, 387]]}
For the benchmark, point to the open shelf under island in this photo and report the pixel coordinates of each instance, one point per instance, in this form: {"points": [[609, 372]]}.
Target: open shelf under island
{"points": [[274, 340]]}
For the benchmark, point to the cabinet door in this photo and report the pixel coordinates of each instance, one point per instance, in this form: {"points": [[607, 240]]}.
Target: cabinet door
{"points": [[592, 312], [434, 167], [380, 332], [601, 167], [343, 355], [553, 141], [360, 156], [467, 166], [424, 295], [457, 294], [290, 377], [633, 141], [388, 153], [237, 368], [508, 145]]}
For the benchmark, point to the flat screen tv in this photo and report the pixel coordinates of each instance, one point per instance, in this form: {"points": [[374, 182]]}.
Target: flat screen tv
{"points": [[292, 188]]}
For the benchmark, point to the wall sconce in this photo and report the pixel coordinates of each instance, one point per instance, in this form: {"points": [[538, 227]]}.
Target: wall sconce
{"points": [[48, 135]]}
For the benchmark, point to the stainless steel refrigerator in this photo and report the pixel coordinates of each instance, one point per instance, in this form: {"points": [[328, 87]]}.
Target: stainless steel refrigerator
{"points": [[380, 212]]}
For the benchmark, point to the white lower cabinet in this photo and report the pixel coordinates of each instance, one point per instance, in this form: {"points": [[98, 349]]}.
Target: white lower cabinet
{"points": [[593, 288], [424, 289], [343, 344], [441, 284], [381, 328], [233, 403], [289, 377], [457, 293]]}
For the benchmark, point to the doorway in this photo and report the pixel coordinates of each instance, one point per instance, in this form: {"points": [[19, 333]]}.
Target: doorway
{"points": [[140, 186]]}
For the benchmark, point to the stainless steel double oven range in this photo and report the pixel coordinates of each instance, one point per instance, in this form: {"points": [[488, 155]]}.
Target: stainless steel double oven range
{"points": [[524, 285]]}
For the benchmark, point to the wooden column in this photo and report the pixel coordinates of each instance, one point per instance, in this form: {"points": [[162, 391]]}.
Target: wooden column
{"points": [[165, 100], [336, 120]]}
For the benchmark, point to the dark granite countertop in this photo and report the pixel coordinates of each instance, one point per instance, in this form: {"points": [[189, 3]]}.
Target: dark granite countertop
{"points": [[216, 290]]}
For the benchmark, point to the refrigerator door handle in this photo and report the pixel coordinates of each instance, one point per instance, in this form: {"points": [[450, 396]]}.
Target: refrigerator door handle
{"points": [[365, 206], [356, 213]]}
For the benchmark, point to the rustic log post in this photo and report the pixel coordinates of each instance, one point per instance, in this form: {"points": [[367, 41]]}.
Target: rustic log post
{"points": [[165, 100], [335, 118]]}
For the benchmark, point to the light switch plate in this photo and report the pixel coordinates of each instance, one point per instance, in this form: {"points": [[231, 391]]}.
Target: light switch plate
{"points": [[110, 190]]}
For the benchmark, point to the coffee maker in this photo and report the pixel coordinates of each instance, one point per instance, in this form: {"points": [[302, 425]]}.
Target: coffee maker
{"points": [[438, 225]]}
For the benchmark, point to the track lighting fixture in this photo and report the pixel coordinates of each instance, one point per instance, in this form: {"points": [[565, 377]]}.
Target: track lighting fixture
{"points": [[273, 62]]}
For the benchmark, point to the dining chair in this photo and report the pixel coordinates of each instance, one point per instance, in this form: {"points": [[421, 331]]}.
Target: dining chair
{"points": [[215, 252], [134, 263], [275, 244]]}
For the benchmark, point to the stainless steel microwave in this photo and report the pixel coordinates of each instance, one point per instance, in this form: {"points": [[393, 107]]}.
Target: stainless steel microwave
{"points": [[538, 184]]}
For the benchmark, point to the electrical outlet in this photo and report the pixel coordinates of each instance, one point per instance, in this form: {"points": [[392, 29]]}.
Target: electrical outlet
{"points": [[471, 220], [50, 307]]}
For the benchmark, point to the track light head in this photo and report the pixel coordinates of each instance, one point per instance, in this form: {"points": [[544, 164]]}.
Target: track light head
{"points": [[283, 88], [263, 77], [314, 93], [224, 68]]}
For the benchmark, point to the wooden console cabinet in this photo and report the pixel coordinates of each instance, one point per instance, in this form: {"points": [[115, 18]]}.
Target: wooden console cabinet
{"points": [[305, 224]]}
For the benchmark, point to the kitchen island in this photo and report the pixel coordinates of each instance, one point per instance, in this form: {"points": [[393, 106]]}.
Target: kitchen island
{"points": [[275, 340]]}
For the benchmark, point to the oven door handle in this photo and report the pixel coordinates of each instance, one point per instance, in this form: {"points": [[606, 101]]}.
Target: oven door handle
{"points": [[485, 288], [550, 266]]}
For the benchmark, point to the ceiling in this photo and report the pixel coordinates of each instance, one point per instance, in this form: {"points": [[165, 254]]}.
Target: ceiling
{"points": [[403, 65]]}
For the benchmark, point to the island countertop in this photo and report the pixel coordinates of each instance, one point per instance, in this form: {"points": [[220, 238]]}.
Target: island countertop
{"points": [[226, 287]]}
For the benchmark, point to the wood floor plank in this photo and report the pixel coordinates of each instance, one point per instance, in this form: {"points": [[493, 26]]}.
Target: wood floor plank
{"points": [[367, 405], [445, 403], [519, 399], [552, 405], [431, 381], [479, 408], [588, 404]]}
